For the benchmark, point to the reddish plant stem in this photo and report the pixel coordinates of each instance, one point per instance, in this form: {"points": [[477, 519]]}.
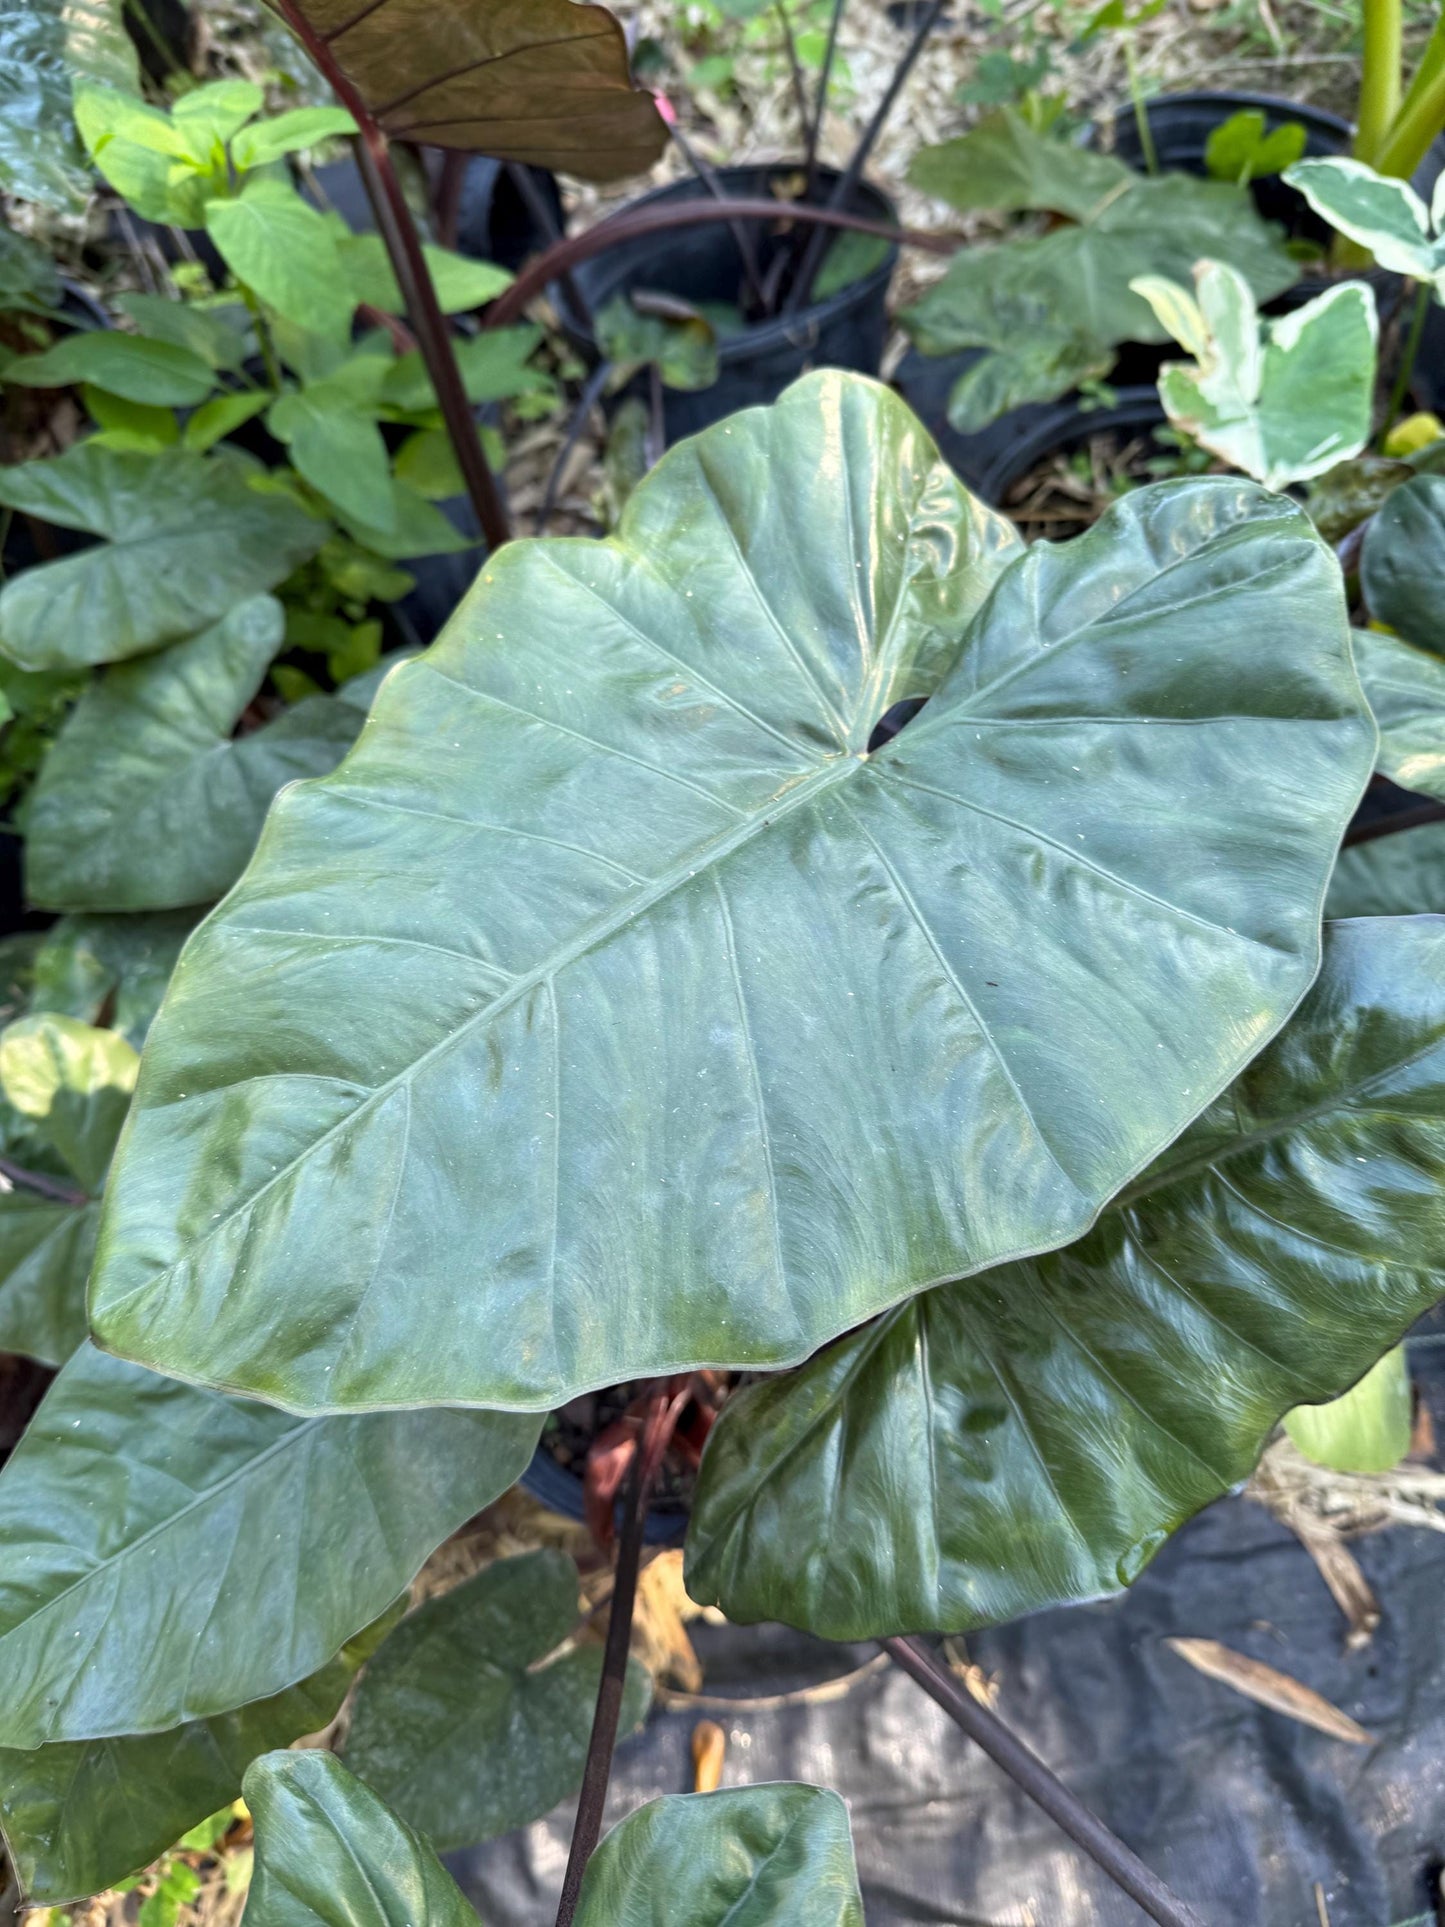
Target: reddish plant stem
{"points": [[398, 232], [43, 1187], [1045, 1789], [663, 1413], [629, 223]]}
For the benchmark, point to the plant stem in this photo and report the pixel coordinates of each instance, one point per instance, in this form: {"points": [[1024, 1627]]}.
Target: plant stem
{"points": [[1429, 66], [843, 188], [614, 1666], [1408, 356], [1379, 77], [44, 1187], [398, 232], [1392, 825], [1044, 1788], [1141, 111], [795, 67], [1419, 120], [815, 126], [628, 223], [590, 396], [740, 234], [536, 204], [269, 359]]}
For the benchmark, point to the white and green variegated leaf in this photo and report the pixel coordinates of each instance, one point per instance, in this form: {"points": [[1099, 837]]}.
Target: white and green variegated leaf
{"points": [[1282, 400], [1384, 215]]}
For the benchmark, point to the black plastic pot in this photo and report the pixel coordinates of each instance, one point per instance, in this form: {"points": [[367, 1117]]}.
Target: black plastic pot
{"points": [[1058, 428], [704, 264], [561, 1491]]}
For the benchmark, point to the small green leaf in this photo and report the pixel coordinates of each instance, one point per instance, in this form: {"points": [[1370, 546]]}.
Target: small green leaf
{"points": [[75, 1082], [247, 1544], [1406, 690], [187, 538], [140, 425], [461, 284], [776, 1855], [142, 154], [1366, 1429], [681, 346], [1402, 564], [289, 133], [339, 450], [329, 1853], [417, 528], [208, 116], [1007, 165], [850, 258], [1384, 215], [493, 364], [222, 416], [154, 372], [1239, 149], [148, 801], [219, 337], [286, 253], [461, 1727]]}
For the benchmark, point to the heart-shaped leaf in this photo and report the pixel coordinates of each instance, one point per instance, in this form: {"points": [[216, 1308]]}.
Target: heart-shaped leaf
{"points": [[778, 1855], [329, 1853], [338, 449], [461, 1727], [461, 284], [1391, 876], [1405, 687], [664, 1006], [1386, 216], [147, 801], [1035, 1434], [1402, 563], [187, 538], [1283, 400], [80, 1816], [167, 1554], [1006, 165], [541, 81], [283, 250], [155, 372], [1077, 281]]}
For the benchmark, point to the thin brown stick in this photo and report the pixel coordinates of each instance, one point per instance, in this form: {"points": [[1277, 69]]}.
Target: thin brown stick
{"points": [[1392, 825], [43, 1187]]}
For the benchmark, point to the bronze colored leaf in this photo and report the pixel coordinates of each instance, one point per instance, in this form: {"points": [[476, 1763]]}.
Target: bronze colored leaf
{"points": [[543, 81], [1271, 1688]]}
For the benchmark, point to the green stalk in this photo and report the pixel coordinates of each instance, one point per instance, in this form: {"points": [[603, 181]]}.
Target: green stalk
{"points": [[1379, 77], [1141, 112], [1366, 1429], [1407, 359], [1420, 119], [1429, 67]]}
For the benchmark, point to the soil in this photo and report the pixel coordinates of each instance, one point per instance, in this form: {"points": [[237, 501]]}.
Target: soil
{"points": [[1067, 493]]}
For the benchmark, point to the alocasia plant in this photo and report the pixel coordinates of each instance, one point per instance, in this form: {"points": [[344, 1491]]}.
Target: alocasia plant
{"points": [[1283, 400], [1385, 215], [614, 1009]]}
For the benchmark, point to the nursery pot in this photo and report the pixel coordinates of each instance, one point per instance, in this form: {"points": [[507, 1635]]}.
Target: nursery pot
{"points": [[704, 264], [1055, 428]]}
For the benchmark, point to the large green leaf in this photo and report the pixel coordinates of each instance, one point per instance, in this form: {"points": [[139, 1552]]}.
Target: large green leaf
{"points": [[546, 83], [329, 1853], [1035, 1434], [460, 1725], [46, 1251], [1075, 280], [776, 1855], [81, 1815], [167, 1554], [1405, 687], [112, 967], [1005, 165], [147, 801], [1283, 400], [187, 538], [1402, 564], [663, 1006], [45, 45], [155, 372], [1391, 876]]}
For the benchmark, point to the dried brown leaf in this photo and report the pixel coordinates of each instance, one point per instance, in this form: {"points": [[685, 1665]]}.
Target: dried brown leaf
{"points": [[1269, 1687]]}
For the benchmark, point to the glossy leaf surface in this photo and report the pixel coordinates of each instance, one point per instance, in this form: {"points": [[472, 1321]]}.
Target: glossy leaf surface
{"points": [[541, 81], [167, 1554], [329, 1853], [1402, 564], [775, 1855], [187, 537], [1034, 1435], [1405, 687], [1283, 400], [82, 1815], [44, 49], [46, 1251], [597, 955], [147, 801], [1391, 876], [461, 1727]]}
